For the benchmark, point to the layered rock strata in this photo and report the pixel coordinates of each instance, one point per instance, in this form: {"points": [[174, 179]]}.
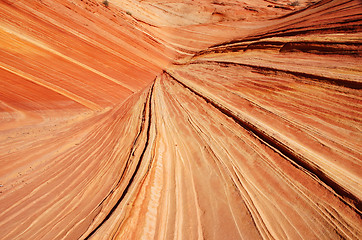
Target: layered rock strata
{"points": [[204, 126]]}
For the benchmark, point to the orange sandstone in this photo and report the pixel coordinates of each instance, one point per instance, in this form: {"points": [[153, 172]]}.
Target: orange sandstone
{"points": [[180, 119]]}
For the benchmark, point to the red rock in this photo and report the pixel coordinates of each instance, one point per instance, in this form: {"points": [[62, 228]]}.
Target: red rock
{"points": [[180, 119]]}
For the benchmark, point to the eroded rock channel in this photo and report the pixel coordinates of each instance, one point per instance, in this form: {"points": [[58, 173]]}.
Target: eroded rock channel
{"points": [[180, 119]]}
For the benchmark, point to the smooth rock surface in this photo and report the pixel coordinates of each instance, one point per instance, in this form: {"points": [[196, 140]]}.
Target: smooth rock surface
{"points": [[192, 119]]}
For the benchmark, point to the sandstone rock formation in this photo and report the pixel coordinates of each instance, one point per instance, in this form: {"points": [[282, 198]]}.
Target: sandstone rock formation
{"points": [[192, 119]]}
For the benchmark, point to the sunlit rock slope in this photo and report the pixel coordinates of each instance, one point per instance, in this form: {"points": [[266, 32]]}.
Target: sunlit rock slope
{"points": [[180, 119]]}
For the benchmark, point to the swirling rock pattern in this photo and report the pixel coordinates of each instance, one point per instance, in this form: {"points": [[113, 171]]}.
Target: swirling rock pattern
{"points": [[180, 119]]}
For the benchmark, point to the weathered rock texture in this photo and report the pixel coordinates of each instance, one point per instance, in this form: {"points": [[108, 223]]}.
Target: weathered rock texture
{"points": [[180, 119]]}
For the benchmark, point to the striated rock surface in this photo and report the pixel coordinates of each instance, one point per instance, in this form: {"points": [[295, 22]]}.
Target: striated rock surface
{"points": [[180, 119]]}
